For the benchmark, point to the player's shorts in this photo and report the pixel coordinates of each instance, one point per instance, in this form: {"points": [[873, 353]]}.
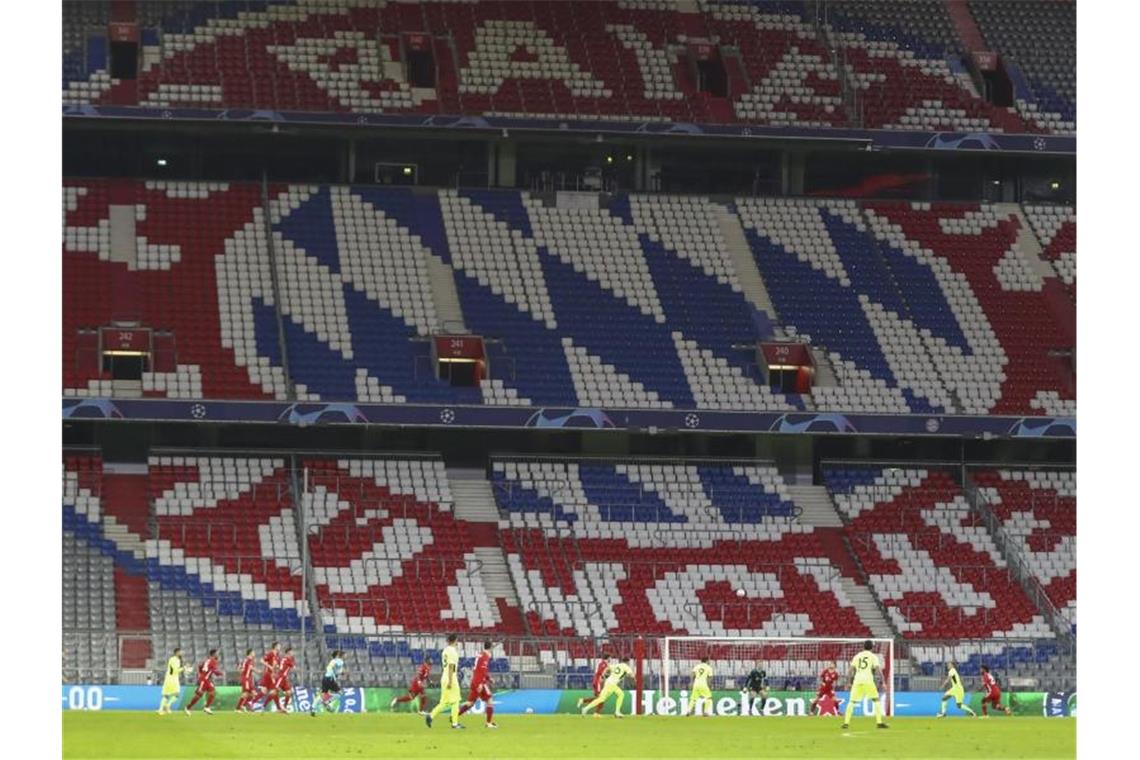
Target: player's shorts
{"points": [[861, 691], [171, 687], [824, 690], [247, 685], [284, 685], [204, 686], [268, 683], [993, 697], [959, 695], [416, 687], [699, 692], [608, 690], [482, 691], [330, 685]]}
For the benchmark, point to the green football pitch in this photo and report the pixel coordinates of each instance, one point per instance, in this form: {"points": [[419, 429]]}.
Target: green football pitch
{"points": [[146, 735]]}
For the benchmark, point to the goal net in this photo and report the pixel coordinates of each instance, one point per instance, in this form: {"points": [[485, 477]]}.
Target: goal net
{"points": [[789, 663]]}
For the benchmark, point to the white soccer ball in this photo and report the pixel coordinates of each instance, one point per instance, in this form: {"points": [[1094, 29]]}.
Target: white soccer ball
{"points": [[740, 592], [529, 710]]}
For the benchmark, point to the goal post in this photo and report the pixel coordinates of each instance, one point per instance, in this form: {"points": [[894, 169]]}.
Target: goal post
{"points": [[795, 660]]}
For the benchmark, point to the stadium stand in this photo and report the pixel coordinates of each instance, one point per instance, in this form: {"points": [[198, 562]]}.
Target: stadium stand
{"points": [[614, 60], [596, 550], [1037, 41], [928, 559], [181, 260], [601, 548], [1056, 230], [331, 292], [920, 307], [995, 296], [388, 553], [1038, 511]]}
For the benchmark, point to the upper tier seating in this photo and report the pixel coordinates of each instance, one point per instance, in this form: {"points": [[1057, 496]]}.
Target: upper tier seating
{"points": [[200, 270], [598, 548], [921, 308], [1038, 509], [1038, 43], [999, 360], [632, 306], [356, 300], [929, 560], [614, 60]]}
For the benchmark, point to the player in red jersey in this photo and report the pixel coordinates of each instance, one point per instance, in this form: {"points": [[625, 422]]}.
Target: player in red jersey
{"points": [[828, 704], [248, 689], [207, 669], [991, 693], [288, 663], [271, 661], [827, 678], [416, 687], [599, 682], [481, 685]]}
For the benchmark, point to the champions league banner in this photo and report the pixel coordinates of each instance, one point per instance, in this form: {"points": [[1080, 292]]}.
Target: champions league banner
{"points": [[555, 418], [779, 704]]}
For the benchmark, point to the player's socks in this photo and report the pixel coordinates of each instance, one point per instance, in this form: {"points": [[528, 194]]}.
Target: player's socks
{"points": [[423, 703], [620, 700], [209, 699], [848, 713], [277, 702], [464, 708], [490, 715], [194, 700], [878, 711], [454, 713], [288, 696]]}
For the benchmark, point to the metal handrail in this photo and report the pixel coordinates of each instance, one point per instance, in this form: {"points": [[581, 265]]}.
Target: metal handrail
{"points": [[1017, 563]]}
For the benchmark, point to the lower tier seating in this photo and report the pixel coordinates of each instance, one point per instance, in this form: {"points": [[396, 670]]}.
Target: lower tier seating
{"points": [[1038, 511], [930, 559]]}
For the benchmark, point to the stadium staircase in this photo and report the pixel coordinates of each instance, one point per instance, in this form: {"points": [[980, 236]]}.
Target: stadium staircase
{"points": [[445, 296], [475, 505], [819, 511], [751, 282], [816, 505]]}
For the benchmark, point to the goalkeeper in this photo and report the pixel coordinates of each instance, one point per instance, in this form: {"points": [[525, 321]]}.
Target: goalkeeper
{"points": [[757, 685]]}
